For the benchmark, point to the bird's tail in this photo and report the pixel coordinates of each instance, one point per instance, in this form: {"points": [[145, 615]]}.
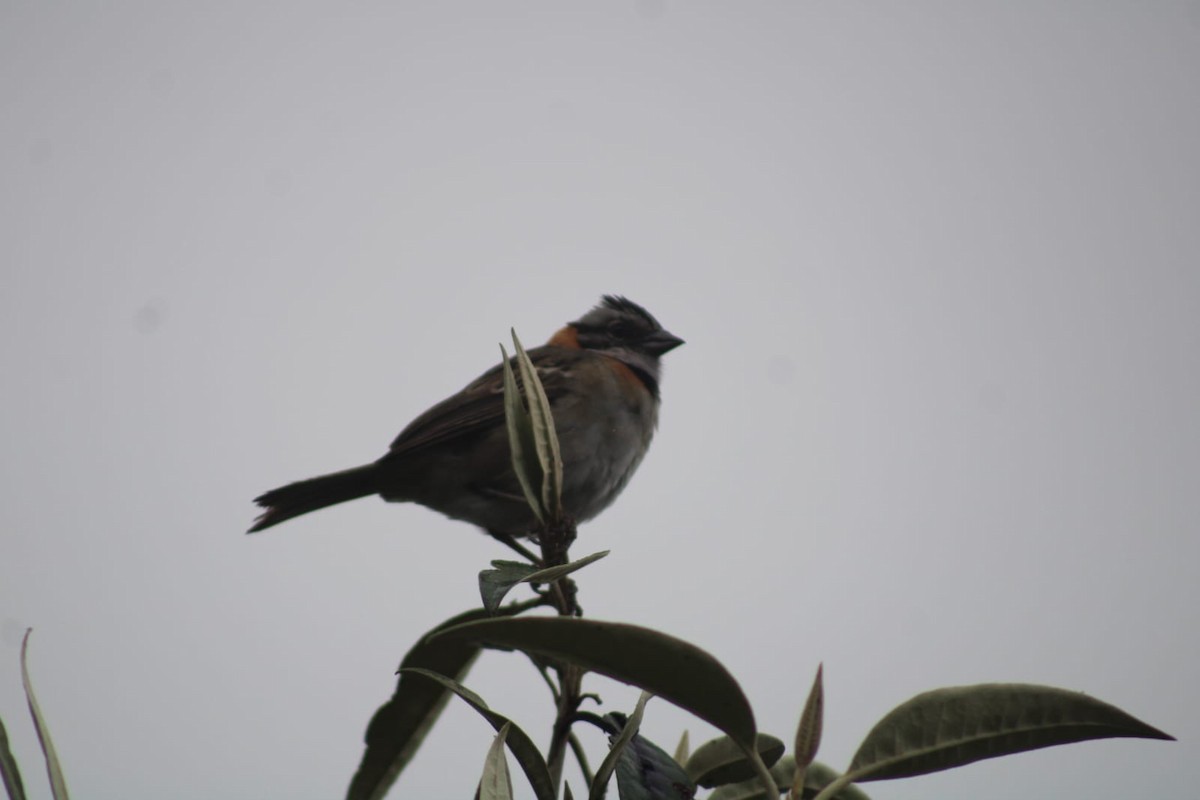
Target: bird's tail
{"points": [[302, 497]]}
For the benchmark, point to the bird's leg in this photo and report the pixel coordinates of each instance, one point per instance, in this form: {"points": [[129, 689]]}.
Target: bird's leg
{"points": [[510, 541]]}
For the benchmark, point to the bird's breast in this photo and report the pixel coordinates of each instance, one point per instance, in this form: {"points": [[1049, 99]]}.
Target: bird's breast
{"points": [[603, 433]]}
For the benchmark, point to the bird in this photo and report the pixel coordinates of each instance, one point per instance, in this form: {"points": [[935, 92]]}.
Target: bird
{"points": [[601, 375]]}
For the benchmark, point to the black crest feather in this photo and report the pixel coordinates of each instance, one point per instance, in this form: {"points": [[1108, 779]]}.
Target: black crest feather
{"points": [[618, 303]]}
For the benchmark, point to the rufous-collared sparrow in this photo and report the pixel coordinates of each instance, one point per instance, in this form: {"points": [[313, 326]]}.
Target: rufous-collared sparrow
{"points": [[601, 376]]}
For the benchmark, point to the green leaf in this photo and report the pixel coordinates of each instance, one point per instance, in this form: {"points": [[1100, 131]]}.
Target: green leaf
{"points": [[951, 727], [618, 744], [522, 747], [9, 771], [752, 788], [521, 442], [670, 668], [817, 777], [495, 583], [495, 783], [400, 725], [682, 749], [58, 783], [544, 436], [808, 732], [551, 574], [722, 760]]}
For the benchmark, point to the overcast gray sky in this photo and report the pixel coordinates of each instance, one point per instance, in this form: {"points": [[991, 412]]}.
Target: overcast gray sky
{"points": [[935, 423]]}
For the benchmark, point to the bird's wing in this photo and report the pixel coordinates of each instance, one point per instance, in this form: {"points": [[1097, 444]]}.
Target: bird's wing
{"points": [[480, 406]]}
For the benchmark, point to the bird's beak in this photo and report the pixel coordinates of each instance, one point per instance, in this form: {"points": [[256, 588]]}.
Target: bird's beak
{"points": [[660, 342]]}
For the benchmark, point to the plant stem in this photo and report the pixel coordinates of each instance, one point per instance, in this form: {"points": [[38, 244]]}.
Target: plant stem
{"points": [[764, 775], [580, 757], [555, 540]]}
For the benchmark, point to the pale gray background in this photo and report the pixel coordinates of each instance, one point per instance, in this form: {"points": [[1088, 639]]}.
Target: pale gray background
{"points": [[935, 423]]}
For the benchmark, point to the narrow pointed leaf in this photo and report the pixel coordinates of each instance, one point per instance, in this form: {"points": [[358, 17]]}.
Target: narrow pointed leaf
{"points": [[495, 783], [551, 574], [683, 749], [808, 733], [722, 760], [950, 727], [400, 725], [522, 747], [616, 746], [521, 441], [670, 668], [10, 773], [817, 777], [58, 783], [567, 794], [544, 436]]}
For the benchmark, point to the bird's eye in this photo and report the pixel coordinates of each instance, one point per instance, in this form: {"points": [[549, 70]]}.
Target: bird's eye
{"points": [[623, 329]]}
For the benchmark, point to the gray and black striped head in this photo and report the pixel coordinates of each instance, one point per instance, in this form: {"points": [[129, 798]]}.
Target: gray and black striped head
{"points": [[621, 324], [622, 329]]}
